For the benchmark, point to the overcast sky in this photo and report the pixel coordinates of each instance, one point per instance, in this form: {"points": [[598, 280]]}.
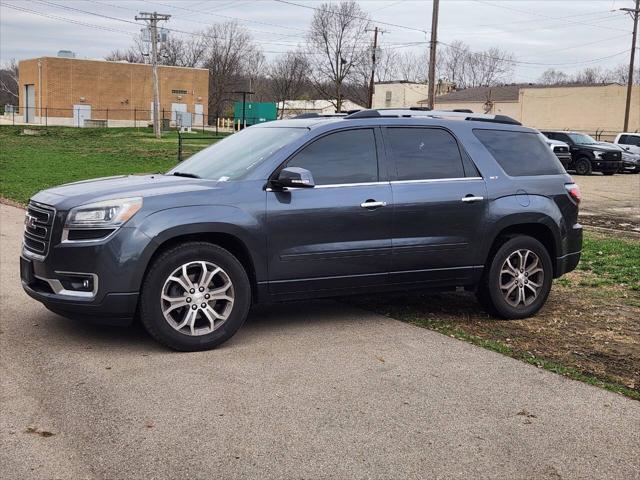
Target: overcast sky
{"points": [[563, 34]]}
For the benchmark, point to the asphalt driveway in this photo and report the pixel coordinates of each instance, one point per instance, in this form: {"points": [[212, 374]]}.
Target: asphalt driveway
{"points": [[305, 390]]}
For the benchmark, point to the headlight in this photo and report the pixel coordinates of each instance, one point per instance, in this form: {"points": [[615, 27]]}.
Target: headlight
{"points": [[105, 214], [598, 154]]}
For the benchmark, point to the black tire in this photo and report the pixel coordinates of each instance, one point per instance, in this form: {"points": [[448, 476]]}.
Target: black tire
{"points": [[582, 166], [151, 313], [490, 294]]}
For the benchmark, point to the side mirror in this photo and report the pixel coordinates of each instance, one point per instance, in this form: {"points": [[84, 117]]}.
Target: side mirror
{"points": [[294, 177]]}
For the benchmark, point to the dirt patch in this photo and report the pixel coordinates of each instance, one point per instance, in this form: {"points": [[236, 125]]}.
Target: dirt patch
{"points": [[595, 331]]}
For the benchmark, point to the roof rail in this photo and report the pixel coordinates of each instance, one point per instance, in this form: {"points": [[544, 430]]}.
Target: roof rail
{"points": [[461, 114], [318, 115]]}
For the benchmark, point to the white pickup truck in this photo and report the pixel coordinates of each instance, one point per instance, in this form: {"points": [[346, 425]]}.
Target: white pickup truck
{"points": [[629, 142]]}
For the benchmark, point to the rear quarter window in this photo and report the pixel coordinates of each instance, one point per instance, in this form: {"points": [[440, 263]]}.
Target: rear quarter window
{"points": [[520, 153]]}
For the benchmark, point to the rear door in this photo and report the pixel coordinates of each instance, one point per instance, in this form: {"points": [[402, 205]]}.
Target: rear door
{"points": [[439, 207], [337, 234]]}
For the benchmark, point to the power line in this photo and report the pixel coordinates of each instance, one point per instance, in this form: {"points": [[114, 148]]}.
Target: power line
{"points": [[354, 16], [482, 2]]}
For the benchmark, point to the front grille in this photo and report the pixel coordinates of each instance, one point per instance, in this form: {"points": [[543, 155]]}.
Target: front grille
{"points": [[561, 149], [38, 224], [612, 156]]}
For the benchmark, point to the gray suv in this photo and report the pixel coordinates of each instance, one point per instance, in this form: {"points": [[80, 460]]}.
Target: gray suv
{"points": [[378, 200]]}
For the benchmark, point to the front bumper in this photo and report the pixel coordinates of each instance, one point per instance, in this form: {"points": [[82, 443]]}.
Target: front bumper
{"points": [[605, 166]]}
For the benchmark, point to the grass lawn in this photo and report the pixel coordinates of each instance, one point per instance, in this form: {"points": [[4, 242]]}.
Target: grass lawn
{"points": [[589, 329], [29, 163]]}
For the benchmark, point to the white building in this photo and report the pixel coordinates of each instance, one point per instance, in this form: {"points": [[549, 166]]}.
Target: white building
{"points": [[291, 108]]}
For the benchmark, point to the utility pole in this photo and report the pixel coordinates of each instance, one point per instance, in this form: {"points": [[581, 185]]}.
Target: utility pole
{"points": [[244, 103], [152, 20], [373, 66], [432, 54], [635, 13]]}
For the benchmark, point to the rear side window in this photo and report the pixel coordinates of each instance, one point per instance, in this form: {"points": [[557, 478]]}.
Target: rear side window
{"points": [[424, 153], [520, 153], [342, 157]]}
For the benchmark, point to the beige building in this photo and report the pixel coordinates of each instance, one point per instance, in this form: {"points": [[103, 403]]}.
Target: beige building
{"points": [[78, 92], [404, 94], [594, 109]]}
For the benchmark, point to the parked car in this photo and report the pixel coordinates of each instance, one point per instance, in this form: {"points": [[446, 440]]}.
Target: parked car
{"points": [[630, 161], [587, 155], [318, 207], [561, 150], [629, 141]]}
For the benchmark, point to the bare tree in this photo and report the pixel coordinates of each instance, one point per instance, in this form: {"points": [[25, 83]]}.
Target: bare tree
{"points": [[176, 51], [9, 82], [552, 76], [288, 75], [338, 43], [229, 54], [620, 74], [465, 68]]}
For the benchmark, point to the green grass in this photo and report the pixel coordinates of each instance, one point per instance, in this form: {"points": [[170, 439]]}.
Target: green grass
{"points": [[61, 155], [613, 261]]}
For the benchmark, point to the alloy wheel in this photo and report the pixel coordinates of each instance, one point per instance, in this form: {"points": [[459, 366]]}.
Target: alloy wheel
{"points": [[197, 298], [521, 278]]}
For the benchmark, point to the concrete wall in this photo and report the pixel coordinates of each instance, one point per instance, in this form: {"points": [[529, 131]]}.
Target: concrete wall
{"points": [[61, 83], [579, 108], [596, 109]]}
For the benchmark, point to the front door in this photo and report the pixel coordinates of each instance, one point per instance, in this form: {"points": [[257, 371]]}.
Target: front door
{"points": [[29, 103], [198, 114], [177, 107], [337, 234], [81, 112], [439, 207]]}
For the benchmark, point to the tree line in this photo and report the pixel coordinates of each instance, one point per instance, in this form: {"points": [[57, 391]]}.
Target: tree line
{"points": [[333, 62]]}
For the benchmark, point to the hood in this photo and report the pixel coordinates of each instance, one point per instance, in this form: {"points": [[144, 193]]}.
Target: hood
{"points": [[555, 143], [71, 195], [600, 146], [615, 147]]}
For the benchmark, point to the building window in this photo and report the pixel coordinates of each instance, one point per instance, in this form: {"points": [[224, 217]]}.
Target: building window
{"points": [[387, 99], [179, 92]]}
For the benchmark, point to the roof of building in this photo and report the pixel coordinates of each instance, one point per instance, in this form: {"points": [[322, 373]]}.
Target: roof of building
{"points": [[102, 60], [391, 82]]}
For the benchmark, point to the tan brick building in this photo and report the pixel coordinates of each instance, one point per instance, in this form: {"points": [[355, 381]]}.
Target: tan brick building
{"points": [[71, 91]]}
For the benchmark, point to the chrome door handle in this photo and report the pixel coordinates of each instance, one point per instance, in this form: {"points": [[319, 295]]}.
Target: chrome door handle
{"points": [[373, 204], [471, 199]]}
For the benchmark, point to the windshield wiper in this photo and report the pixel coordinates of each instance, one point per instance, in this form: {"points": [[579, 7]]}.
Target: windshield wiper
{"points": [[186, 174]]}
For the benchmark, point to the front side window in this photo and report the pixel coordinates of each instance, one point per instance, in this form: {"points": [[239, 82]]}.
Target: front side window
{"points": [[520, 153], [341, 157], [425, 153], [630, 140]]}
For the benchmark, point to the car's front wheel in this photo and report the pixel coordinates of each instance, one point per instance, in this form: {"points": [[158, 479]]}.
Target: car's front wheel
{"points": [[518, 280], [583, 166], [195, 296]]}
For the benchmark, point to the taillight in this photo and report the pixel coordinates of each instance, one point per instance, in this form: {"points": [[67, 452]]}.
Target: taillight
{"points": [[574, 191]]}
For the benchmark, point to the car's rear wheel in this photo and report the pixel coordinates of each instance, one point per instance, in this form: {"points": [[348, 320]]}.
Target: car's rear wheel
{"points": [[195, 296], [518, 280], [583, 166]]}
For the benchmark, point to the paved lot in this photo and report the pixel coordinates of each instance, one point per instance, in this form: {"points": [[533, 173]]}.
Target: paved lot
{"points": [[307, 390], [616, 198]]}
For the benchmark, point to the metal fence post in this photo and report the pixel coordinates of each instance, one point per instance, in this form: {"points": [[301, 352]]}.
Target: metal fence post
{"points": [[179, 147], [13, 115], [134, 118]]}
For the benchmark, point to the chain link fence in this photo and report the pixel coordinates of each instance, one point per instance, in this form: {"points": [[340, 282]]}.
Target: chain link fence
{"points": [[85, 116]]}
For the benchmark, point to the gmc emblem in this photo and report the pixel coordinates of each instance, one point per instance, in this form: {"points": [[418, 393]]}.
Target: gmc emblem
{"points": [[30, 221]]}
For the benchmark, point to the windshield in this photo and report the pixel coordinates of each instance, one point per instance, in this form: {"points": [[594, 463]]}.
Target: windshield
{"points": [[582, 139], [235, 156]]}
